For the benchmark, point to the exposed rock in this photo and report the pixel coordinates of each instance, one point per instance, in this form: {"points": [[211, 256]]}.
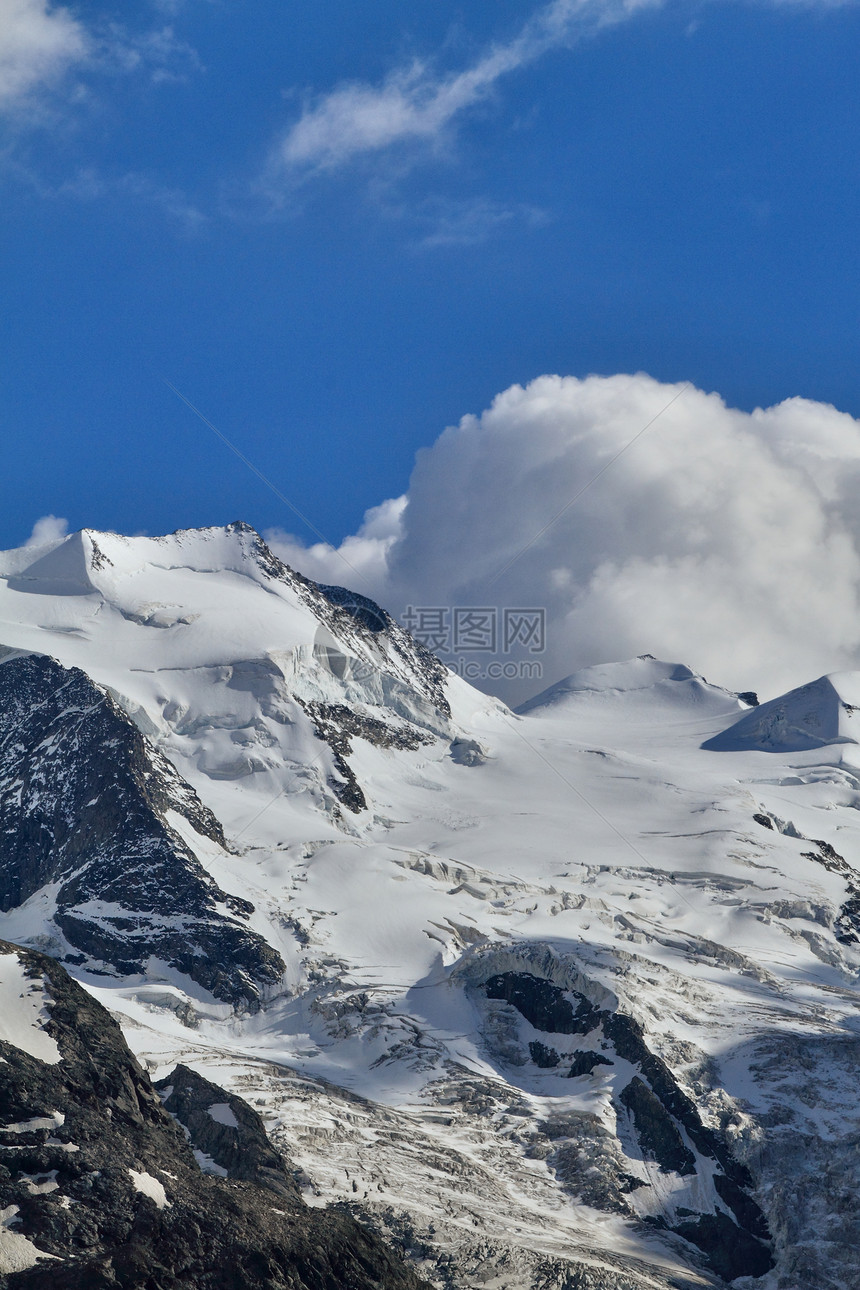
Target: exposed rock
{"points": [[83, 803], [543, 1056], [337, 725], [543, 1004], [731, 1251], [128, 1207], [847, 923], [658, 1135], [665, 1119], [225, 1129], [585, 1063]]}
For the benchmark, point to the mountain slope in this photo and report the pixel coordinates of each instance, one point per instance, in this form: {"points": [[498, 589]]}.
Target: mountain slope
{"points": [[569, 996], [84, 800], [99, 1187]]}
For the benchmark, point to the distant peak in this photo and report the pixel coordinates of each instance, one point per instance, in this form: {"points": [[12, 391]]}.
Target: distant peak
{"points": [[812, 716], [642, 673]]}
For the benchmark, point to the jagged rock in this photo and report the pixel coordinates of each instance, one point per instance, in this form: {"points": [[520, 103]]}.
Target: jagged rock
{"points": [[543, 1004], [337, 725], [83, 802], [543, 1056], [657, 1132], [585, 1063], [225, 1129], [104, 1193], [731, 1251], [662, 1114]]}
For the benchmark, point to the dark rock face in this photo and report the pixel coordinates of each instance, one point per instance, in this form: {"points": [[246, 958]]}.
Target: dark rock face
{"points": [[658, 1135], [663, 1117], [543, 1004], [337, 725], [585, 1063], [731, 1251], [226, 1129], [847, 924], [543, 1056], [83, 797], [126, 1206]]}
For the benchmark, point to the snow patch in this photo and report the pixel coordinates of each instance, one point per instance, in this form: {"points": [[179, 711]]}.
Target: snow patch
{"points": [[151, 1187], [23, 1012], [53, 1121], [17, 1253], [208, 1165], [222, 1114], [41, 1184]]}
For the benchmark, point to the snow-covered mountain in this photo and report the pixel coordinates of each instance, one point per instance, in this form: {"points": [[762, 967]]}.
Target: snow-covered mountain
{"points": [[565, 997]]}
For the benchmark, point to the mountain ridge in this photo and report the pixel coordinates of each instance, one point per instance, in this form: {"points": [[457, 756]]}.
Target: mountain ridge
{"points": [[410, 851]]}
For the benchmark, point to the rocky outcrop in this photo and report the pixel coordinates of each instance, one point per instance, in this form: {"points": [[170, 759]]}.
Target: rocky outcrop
{"points": [[226, 1134], [100, 1189], [357, 621], [665, 1122], [84, 802], [337, 725]]}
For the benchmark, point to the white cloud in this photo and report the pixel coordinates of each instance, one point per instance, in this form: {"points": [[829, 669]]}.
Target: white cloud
{"points": [[88, 184], [158, 52], [41, 43], [470, 222], [416, 103], [50, 528], [726, 540], [38, 43], [361, 561]]}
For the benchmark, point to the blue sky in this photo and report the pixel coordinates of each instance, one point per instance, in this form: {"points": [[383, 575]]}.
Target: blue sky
{"points": [[338, 228]]}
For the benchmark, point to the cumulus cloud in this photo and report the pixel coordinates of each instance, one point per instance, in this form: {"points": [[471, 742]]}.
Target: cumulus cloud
{"points": [[38, 43], [50, 528], [362, 557], [417, 103], [723, 539]]}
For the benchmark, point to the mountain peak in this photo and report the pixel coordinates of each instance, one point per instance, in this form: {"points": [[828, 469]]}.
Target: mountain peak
{"points": [[643, 681], [814, 715]]}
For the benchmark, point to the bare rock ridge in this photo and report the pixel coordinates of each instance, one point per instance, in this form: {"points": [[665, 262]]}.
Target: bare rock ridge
{"points": [[666, 1123], [226, 1134], [353, 617], [100, 1188], [83, 804]]}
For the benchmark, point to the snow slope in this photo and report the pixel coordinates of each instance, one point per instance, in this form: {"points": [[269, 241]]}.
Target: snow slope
{"points": [[634, 838], [23, 1013]]}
